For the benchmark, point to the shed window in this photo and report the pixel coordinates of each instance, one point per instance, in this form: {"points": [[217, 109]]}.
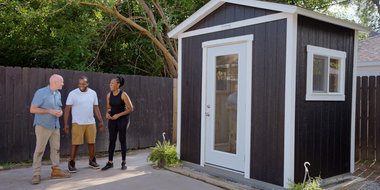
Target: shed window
{"points": [[325, 74]]}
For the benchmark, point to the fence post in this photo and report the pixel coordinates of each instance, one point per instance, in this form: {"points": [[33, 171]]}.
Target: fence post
{"points": [[174, 111]]}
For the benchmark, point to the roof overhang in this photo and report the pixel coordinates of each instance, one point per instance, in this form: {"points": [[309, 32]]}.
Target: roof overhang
{"points": [[214, 4]]}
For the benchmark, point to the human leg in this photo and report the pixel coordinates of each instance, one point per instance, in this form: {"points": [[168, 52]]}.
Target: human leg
{"points": [[54, 141], [77, 132], [90, 134], [91, 150], [112, 130], [42, 137], [71, 164], [232, 135], [73, 152], [92, 161], [123, 126]]}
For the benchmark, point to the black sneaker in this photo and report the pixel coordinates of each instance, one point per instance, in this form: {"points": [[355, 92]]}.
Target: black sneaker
{"points": [[93, 163], [72, 168], [123, 166], [108, 166]]}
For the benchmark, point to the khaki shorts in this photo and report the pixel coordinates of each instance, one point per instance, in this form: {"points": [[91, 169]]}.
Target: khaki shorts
{"points": [[78, 131]]}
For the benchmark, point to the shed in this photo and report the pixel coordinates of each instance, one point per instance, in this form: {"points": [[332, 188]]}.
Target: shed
{"points": [[369, 56], [264, 87]]}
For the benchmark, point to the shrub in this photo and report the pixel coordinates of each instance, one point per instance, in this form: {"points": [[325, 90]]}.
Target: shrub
{"points": [[164, 152], [311, 184]]}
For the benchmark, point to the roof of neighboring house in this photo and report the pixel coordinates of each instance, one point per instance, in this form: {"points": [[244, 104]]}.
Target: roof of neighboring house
{"points": [[369, 49]]}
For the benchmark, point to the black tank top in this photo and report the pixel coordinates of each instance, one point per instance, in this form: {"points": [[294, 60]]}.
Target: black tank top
{"points": [[116, 103]]}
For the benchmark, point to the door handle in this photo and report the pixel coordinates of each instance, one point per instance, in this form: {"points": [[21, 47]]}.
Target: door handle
{"points": [[207, 114]]}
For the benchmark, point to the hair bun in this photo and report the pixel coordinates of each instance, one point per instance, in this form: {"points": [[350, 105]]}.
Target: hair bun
{"points": [[120, 80]]}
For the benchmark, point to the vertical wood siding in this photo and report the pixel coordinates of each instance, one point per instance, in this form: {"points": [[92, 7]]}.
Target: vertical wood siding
{"points": [[152, 98], [323, 128], [268, 91], [229, 13]]}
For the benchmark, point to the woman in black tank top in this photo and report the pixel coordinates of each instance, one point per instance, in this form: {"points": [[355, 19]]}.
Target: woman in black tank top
{"points": [[119, 106]]}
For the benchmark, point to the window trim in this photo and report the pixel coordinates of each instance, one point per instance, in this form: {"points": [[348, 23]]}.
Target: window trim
{"points": [[329, 53]]}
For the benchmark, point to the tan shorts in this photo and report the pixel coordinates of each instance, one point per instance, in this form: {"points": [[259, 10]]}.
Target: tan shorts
{"points": [[78, 131]]}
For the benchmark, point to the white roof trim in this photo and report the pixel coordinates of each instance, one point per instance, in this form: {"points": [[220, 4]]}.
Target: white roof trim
{"points": [[214, 4], [367, 64], [333, 20], [196, 17], [264, 5], [238, 24]]}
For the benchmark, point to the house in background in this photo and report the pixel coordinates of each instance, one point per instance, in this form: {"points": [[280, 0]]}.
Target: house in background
{"points": [[369, 56], [264, 87]]}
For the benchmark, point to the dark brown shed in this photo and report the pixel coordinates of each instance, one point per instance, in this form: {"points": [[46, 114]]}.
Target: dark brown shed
{"points": [[264, 87]]}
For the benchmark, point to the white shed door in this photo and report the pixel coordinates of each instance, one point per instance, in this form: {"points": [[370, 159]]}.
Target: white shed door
{"points": [[225, 113]]}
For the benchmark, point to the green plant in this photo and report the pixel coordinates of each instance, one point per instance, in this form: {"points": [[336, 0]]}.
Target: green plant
{"points": [[164, 152], [311, 184]]}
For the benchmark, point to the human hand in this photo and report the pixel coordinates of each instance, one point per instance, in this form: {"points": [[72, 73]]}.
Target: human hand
{"points": [[66, 129], [108, 116], [59, 114], [55, 112], [101, 126], [114, 117]]}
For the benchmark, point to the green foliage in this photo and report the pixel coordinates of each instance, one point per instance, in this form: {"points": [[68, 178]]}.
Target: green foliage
{"points": [[65, 34], [366, 11], [48, 34], [312, 184], [316, 5], [164, 151]]}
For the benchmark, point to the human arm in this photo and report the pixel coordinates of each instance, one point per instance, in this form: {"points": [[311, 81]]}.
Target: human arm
{"points": [[229, 103], [97, 113], [66, 118], [230, 108], [108, 116], [128, 104], [38, 110]]}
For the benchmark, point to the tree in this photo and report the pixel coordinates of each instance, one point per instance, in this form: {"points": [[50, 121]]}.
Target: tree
{"points": [[367, 11], [48, 34], [150, 19], [115, 36], [79, 35]]}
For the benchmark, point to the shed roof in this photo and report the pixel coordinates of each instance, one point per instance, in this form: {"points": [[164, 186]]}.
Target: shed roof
{"points": [[214, 4], [369, 49]]}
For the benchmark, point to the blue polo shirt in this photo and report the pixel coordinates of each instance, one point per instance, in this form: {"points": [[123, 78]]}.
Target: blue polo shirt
{"points": [[45, 98]]}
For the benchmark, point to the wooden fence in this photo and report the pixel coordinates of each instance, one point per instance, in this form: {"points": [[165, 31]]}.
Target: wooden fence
{"points": [[367, 123], [152, 98]]}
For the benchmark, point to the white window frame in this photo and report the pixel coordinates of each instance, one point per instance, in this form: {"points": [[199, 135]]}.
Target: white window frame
{"points": [[330, 54]]}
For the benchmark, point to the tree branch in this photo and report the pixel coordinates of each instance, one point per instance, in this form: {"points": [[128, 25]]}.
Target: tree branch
{"points": [[170, 60], [99, 6], [377, 3], [102, 45], [150, 14], [168, 56], [159, 8]]}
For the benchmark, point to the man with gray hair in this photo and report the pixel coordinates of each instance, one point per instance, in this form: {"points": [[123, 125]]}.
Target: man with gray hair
{"points": [[46, 105]]}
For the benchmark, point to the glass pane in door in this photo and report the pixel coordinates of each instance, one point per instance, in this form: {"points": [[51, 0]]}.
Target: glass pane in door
{"points": [[226, 103]]}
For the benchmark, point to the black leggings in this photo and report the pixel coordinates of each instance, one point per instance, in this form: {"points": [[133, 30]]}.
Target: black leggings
{"points": [[120, 125]]}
